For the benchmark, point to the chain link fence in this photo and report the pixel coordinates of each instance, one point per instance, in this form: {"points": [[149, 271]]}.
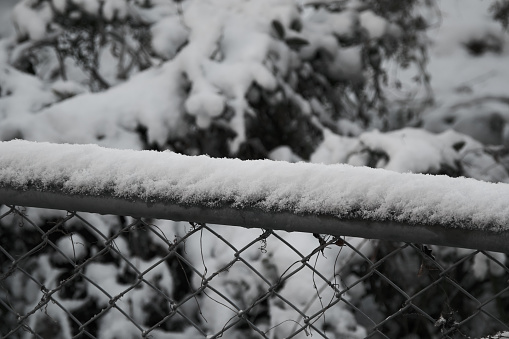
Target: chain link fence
{"points": [[81, 275]]}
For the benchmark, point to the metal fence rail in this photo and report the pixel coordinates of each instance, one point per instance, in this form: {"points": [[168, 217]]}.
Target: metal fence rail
{"points": [[68, 274]]}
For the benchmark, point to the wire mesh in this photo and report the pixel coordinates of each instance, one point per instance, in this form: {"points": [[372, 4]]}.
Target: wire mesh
{"points": [[80, 275]]}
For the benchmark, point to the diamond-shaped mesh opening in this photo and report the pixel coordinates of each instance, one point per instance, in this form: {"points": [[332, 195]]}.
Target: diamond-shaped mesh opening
{"points": [[431, 292], [66, 274]]}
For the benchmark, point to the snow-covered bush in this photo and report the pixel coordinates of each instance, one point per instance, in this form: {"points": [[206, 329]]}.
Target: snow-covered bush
{"points": [[224, 78]]}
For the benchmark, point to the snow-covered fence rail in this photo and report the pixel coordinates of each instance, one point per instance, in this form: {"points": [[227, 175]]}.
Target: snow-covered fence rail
{"points": [[334, 199], [67, 273]]}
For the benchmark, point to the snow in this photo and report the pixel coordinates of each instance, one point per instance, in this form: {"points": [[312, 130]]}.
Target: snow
{"points": [[339, 190], [218, 78], [401, 146], [242, 285], [105, 276], [321, 30], [284, 153], [59, 321], [397, 151], [468, 89], [6, 27], [486, 120], [205, 105], [221, 50], [67, 89], [168, 36], [31, 21], [334, 149], [115, 9], [108, 118], [374, 24], [499, 335], [91, 7], [346, 65], [16, 87], [60, 5], [73, 246]]}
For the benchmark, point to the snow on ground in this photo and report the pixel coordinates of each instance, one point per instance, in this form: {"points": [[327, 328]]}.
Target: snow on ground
{"points": [[340, 190]]}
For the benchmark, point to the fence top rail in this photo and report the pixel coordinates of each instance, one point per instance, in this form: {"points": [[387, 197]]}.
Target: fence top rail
{"points": [[336, 199]]}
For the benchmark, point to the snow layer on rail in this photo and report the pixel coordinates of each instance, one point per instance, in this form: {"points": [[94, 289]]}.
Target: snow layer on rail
{"points": [[340, 190]]}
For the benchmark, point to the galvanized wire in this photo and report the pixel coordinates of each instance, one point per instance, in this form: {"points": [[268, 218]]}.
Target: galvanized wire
{"points": [[68, 274]]}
